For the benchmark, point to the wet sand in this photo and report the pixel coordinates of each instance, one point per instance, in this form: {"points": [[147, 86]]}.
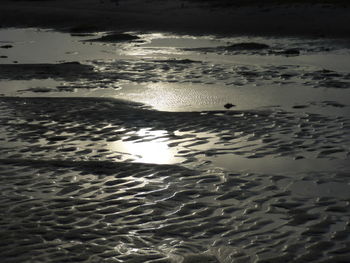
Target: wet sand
{"points": [[68, 194], [158, 147]]}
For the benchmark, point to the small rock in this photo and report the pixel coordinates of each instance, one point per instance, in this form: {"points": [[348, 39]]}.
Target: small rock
{"points": [[229, 105], [6, 46], [300, 106]]}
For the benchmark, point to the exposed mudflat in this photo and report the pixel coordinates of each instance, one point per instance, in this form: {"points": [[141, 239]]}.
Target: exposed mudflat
{"points": [[125, 152]]}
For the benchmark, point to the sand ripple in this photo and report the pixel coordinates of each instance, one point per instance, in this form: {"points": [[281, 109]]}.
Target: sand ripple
{"points": [[99, 74], [88, 128], [127, 212], [65, 197]]}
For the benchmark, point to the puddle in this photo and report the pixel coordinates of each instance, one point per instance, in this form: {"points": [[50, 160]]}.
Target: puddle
{"points": [[170, 73], [198, 97], [44, 46]]}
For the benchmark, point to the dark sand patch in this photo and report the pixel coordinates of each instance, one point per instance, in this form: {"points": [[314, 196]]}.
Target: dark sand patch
{"points": [[277, 49], [290, 52], [83, 28], [333, 104], [38, 89], [174, 16], [266, 3], [247, 46], [67, 70], [115, 38]]}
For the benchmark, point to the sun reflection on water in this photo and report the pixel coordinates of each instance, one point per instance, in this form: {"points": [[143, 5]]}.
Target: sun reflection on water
{"points": [[147, 146]]}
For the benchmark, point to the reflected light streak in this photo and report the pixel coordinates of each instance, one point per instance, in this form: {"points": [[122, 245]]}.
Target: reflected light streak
{"points": [[152, 147], [150, 52]]}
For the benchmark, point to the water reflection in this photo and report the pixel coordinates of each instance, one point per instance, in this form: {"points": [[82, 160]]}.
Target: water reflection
{"points": [[147, 146], [32, 45]]}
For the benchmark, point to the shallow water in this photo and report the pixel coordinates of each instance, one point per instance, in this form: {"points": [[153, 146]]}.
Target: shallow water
{"points": [[88, 177], [184, 73]]}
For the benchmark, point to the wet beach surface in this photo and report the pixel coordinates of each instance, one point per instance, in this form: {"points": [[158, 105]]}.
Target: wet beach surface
{"points": [[121, 149]]}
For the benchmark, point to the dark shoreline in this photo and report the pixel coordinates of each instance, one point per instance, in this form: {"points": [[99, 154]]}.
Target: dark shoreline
{"points": [[189, 18]]}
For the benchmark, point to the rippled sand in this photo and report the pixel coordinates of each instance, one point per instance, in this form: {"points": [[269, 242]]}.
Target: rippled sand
{"points": [[91, 179], [66, 195]]}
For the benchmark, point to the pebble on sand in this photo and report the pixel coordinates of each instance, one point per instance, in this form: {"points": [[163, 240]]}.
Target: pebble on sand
{"points": [[6, 46], [229, 105]]}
